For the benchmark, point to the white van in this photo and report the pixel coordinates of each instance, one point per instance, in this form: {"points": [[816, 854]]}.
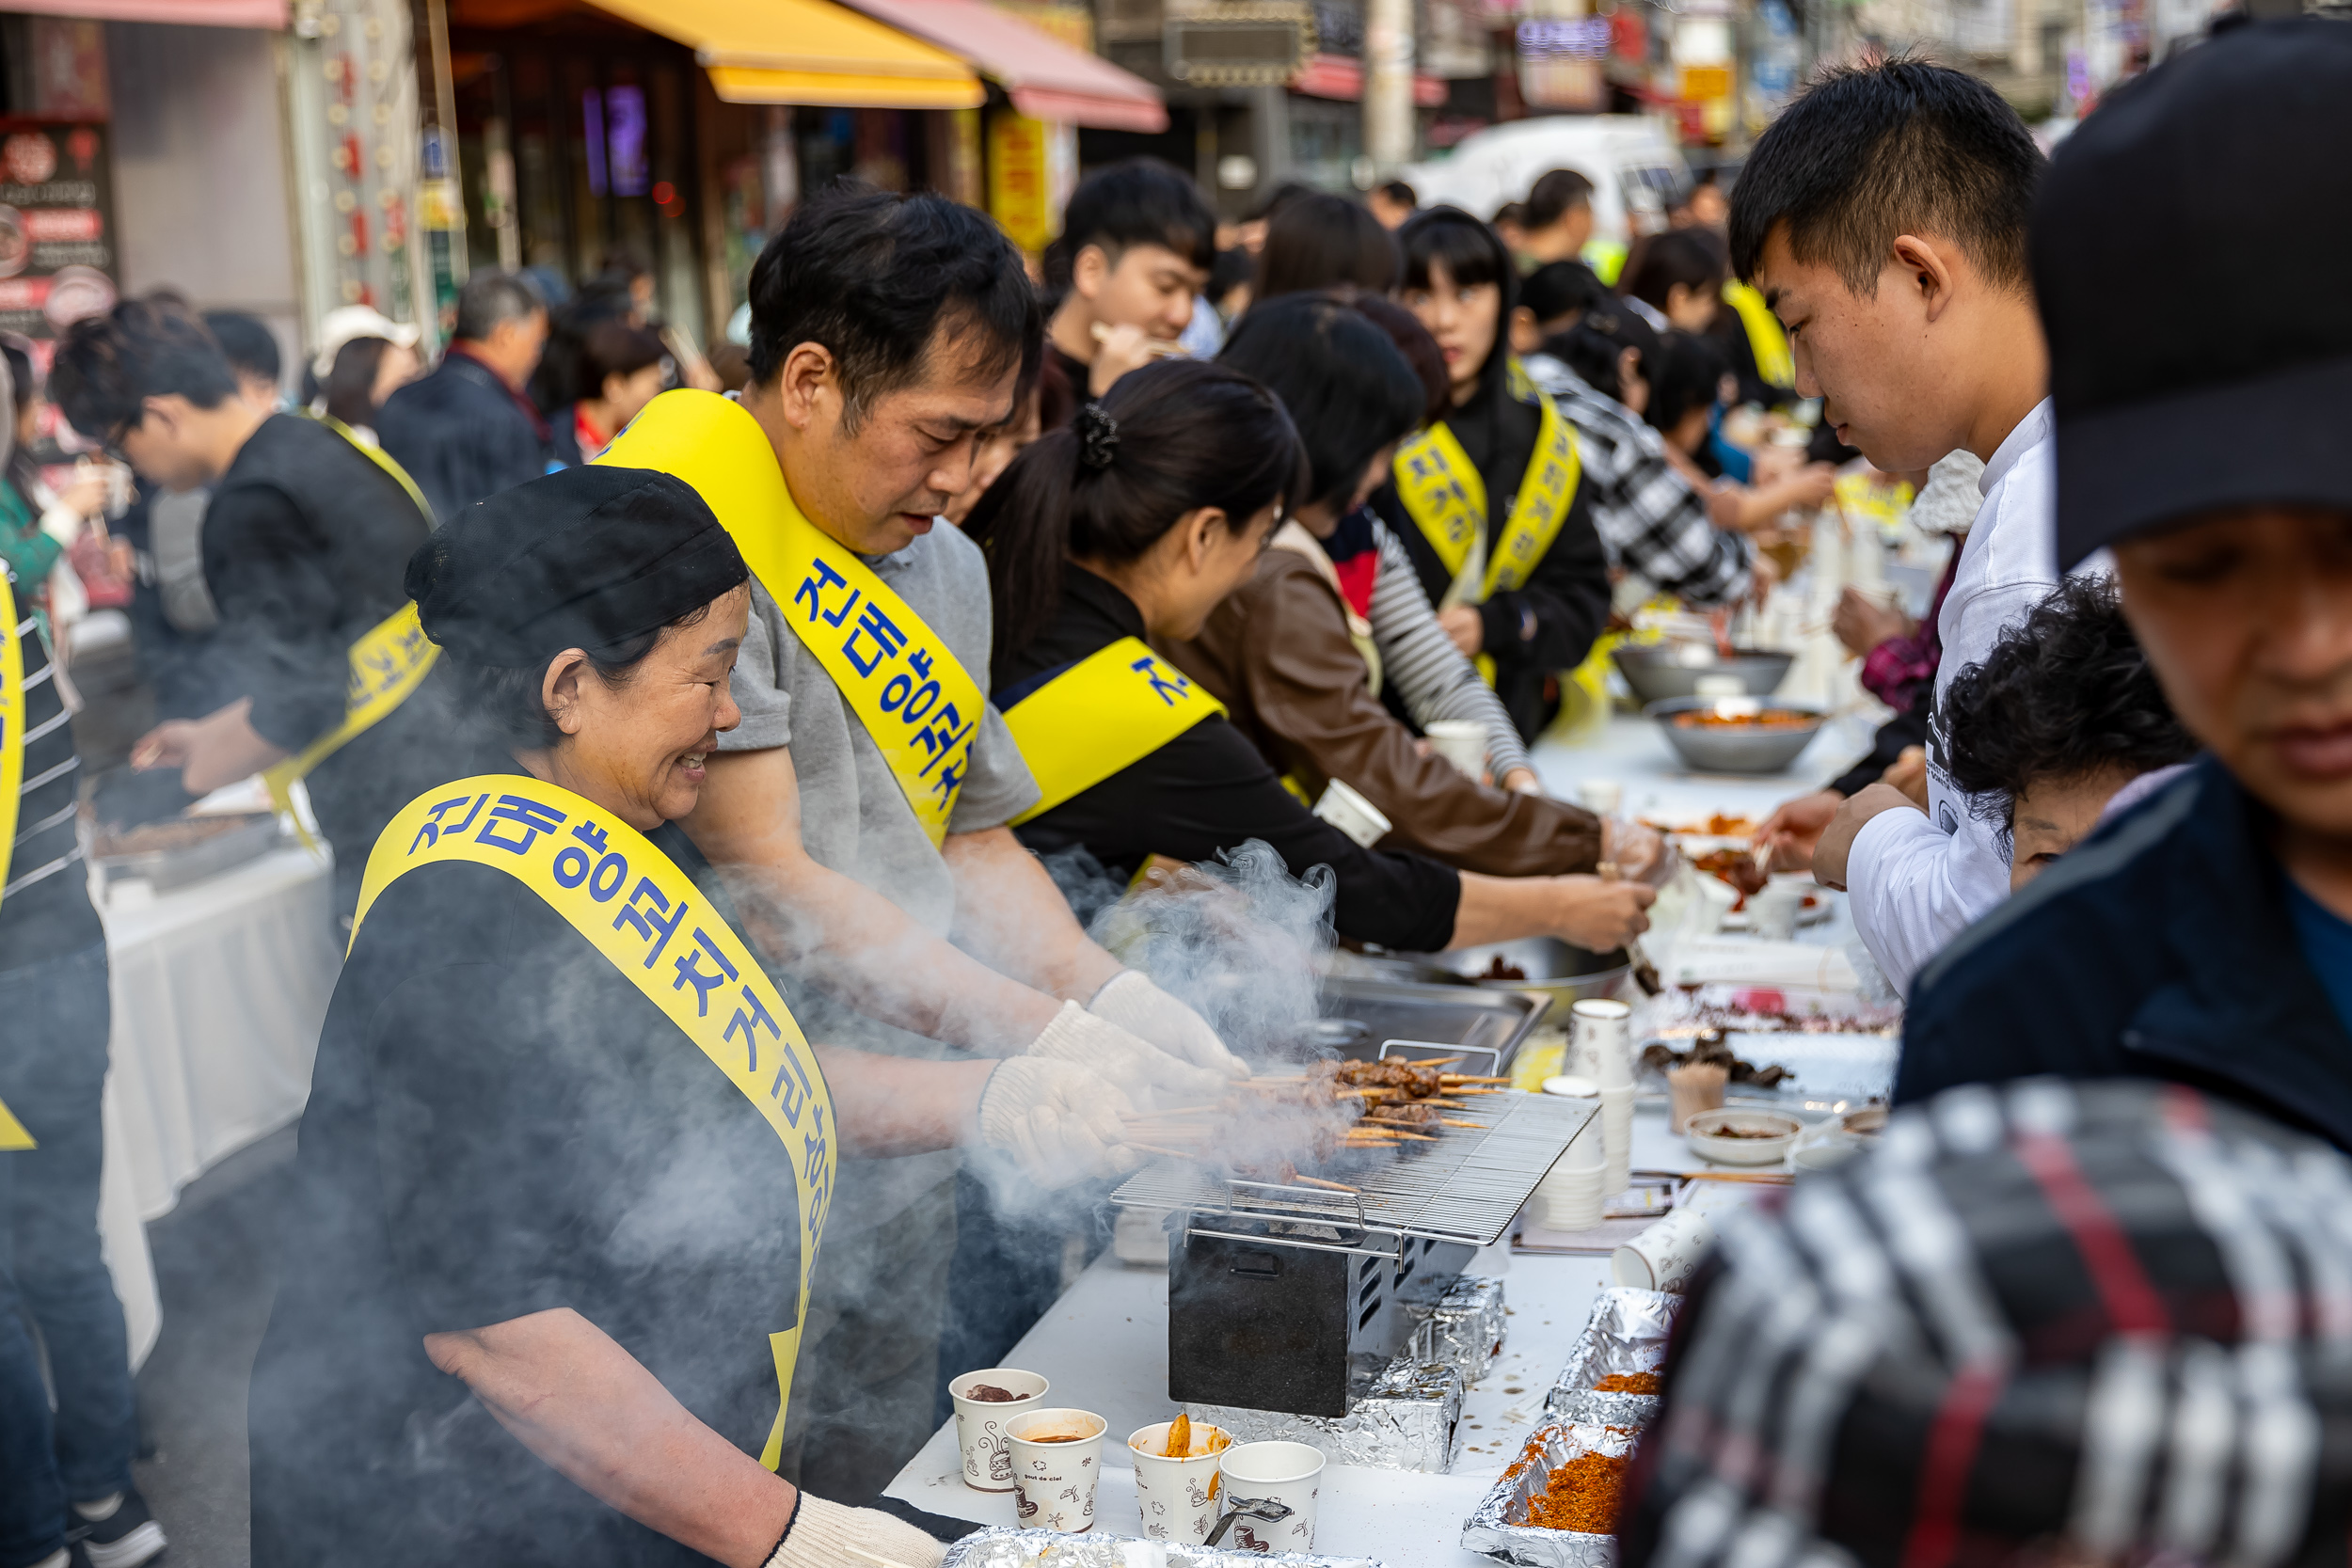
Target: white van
{"points": [[1632, 161]]}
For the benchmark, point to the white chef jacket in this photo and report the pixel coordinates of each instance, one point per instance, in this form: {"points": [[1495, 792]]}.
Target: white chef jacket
{"points": [[1914, 882]]}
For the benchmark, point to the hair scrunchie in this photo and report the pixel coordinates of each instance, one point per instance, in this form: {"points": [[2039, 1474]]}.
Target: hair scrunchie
{"points": [[1097, 437]]}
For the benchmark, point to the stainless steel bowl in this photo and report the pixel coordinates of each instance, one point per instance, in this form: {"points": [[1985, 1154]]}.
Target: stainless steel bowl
{"points": [[1728, 749], [1555, 970], [1660, 671]]}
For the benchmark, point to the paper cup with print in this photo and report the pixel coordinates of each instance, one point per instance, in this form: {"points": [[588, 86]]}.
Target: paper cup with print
{"points": [[1352, 815], [1287, 1473], [1057, 1459], [1664, 1256], [981, 1413], [1178, 1497], [1461, 743]]}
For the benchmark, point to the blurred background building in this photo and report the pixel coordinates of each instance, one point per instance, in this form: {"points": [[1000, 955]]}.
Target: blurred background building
{"points": [[288, 156]]}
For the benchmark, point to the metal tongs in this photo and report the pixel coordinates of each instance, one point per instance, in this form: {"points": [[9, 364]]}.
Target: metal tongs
{"points": [[1247, 1508]]}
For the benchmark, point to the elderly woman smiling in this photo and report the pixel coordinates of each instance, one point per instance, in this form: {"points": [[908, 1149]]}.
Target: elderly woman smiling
{"points": [[566, 1157]]}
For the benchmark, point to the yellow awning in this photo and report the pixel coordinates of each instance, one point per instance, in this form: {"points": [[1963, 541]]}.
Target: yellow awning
{"points": [[807, 51]]}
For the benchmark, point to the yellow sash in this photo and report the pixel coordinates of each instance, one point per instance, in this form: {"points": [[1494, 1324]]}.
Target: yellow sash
{"points": [[382, 459], [12, 1134], [386, 664], [1104, 714], [1445, 496], [1767, 340], [917, 704], [629, 901]]}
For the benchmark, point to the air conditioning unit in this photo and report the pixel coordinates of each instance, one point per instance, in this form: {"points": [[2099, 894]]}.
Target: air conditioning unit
{"points": [[1238, 44]]}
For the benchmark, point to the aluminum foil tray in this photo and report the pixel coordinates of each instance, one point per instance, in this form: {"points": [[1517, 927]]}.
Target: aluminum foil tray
{"points": [[1408, 1418], [1498, 1528], [1002, 1546], [1463, 1327], [1627, 1333]]}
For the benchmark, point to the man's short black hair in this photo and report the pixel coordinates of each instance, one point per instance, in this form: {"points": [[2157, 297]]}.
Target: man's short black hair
{"points": [[1871, 151], [251, 348], [1400, 193], [1686, 372], [1556, 194], [490, 297], [873, 278], [1138, 201], [1559, 289], [1684, 256], [2064, 694], [107, 366]]}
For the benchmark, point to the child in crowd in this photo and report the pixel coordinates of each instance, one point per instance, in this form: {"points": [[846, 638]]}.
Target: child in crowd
{"points": [[1135, 249], [2063, 713]]}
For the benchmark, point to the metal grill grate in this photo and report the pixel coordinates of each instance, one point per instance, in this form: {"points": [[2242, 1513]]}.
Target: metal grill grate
{"points": [[1465, 1187]]}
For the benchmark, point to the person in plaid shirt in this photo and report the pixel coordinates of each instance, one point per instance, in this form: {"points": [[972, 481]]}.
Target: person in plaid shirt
{"points": [[1652, 520]]}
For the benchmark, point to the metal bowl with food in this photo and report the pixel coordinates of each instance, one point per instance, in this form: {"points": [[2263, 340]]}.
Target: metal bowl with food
{"points": [[1660, 672], [1543, 965], [1736, 734]]}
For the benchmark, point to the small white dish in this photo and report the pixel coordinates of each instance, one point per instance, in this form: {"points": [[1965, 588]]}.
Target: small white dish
{"points": [[1571, 1086], [1706, 1129]]}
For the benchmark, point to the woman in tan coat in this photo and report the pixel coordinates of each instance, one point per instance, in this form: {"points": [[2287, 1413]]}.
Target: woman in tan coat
{"points": [[1291, 654]]}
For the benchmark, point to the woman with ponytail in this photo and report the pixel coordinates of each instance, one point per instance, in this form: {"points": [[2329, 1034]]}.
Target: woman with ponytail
{"points": [[1126, 532]]}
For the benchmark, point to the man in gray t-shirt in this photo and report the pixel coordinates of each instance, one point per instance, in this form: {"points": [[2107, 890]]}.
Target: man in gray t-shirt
{"points": [[886, 334]]}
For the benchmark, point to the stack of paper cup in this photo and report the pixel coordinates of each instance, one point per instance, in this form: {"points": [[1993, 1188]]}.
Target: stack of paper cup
{"points": [[1600, 1051], [1570, 1198]]}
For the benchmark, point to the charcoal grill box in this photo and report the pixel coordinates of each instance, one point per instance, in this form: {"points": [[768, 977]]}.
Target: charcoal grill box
{"points": [[1292, 1298]]}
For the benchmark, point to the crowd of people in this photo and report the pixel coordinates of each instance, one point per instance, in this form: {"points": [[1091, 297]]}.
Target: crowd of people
{"points": [[792, 719]]}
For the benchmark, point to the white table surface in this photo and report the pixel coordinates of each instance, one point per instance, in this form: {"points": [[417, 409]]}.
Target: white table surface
{"points": [[1104, 1348], [218, 989], [1105, 1344]]}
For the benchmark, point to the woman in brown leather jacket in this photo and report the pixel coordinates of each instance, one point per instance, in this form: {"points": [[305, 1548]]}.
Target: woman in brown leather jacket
{"points": [[1292, 658]]}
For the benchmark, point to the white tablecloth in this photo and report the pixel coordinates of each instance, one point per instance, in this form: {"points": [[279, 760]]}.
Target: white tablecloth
{"points": [[218, 991]]}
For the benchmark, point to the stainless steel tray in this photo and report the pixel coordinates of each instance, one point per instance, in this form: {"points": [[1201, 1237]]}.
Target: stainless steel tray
{"points": [[1361, 1014], [1627, 1333], [1466, 1186], [1498, 1528], [1002, 1546], [166, 869]]}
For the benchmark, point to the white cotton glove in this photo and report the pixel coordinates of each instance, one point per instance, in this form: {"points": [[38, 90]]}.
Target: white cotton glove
{"points": [[1060, 1121], [1130, 1000], [827, 1535], [1146, 1074]]}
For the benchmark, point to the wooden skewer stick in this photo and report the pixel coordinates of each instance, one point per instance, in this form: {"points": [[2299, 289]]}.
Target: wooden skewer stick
{"points": [[1466, 1077], [1449, 1122], [1417, 1137], [1431, 1061]]}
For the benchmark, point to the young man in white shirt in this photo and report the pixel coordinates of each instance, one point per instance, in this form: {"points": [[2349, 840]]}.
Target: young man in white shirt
{"points": [[1884, 218]]}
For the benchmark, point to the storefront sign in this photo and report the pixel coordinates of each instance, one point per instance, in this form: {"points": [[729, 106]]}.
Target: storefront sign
{"points": [[1032, 165]]}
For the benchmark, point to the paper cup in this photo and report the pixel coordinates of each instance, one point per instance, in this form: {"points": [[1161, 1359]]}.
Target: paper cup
{"points": [[1461, 743], [1693, 1087], [1774, 908], [1052, 1483], [980, 1423], [1290, 1473], [1602, 796], [1178, 1497], [1597, 1032], [1352, 815], [1662, 1257]]}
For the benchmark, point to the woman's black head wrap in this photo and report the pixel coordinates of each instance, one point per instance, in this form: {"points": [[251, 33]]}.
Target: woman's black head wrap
{"points": [[588, 558]]}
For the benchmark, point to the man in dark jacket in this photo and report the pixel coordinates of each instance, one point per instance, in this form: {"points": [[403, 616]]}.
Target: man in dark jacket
{"points": [[2204, 936], [305, 544], [467, 431]]}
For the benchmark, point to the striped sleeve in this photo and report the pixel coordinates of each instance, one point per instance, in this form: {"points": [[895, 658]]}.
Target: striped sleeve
{"points": [[1435, 681], [47, 842]]}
